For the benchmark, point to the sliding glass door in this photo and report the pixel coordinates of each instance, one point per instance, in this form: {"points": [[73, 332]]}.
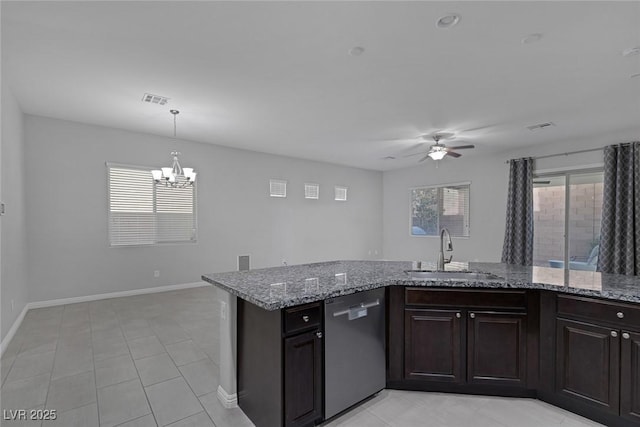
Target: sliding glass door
{"points": [[567, 213]]}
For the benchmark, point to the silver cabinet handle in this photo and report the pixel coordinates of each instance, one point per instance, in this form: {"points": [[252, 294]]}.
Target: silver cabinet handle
{"points": [[305, 318], [614, 334], [626, 335], [472, 315], [620, 315], [458, 315], [319, 334]]}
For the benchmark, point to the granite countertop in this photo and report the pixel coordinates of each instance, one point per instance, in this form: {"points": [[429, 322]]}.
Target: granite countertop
{"points": [[279, 287]]}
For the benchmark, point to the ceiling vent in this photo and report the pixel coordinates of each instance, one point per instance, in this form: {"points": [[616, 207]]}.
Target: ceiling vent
{"points": [[541, 126], [155, 99]]}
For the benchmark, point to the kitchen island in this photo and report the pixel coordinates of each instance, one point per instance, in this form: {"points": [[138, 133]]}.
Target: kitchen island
{"points": [[570, 338]]}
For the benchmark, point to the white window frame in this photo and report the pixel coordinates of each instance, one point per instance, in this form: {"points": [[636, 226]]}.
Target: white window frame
{"points": [[193, 240], [421, 187]]}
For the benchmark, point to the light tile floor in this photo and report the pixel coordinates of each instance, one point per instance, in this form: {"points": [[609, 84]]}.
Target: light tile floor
{"points": [[152, 360]]}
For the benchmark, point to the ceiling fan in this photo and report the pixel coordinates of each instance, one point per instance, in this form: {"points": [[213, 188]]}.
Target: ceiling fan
{"points": [[439, 150]]}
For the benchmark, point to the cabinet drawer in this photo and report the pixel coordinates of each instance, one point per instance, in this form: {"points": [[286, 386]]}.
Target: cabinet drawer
{"points": [[623, 315], [488, 298], [302, 317]]}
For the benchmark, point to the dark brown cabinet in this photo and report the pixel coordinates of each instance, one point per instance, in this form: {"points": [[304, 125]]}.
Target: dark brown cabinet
{"points": [[280, 365], [597, 359], [303, 378], [497, 348], [460, 340], [433, 343], [588, 363], [438, 344], [630, 376]]}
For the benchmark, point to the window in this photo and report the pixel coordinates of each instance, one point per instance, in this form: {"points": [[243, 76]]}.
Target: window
{"points": [[567, 209], [143, 213], [438, 207]]}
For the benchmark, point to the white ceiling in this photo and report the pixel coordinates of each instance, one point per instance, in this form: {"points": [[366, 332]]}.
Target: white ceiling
{"points": [[277, 77]]}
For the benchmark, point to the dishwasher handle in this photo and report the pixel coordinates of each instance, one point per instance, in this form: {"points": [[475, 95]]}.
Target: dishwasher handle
{"points": [[356, 308]]}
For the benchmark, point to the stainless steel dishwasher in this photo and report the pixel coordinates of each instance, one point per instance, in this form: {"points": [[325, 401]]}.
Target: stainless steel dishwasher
{"points": [[354, 349]]}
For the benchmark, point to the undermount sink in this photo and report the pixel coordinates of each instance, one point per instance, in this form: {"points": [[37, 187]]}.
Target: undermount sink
{"points": [[455, 275]]}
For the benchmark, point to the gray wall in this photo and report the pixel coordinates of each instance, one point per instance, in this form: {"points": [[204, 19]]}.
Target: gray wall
{"points": [[489, 183], [66, 192], [14, 241]]}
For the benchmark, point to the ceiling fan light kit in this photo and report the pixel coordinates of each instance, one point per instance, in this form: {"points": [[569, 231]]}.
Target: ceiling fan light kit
{"points": [[439, 151]]}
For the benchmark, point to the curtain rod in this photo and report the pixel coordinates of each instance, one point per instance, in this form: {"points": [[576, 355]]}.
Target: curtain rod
{"points": [[563, 154]]}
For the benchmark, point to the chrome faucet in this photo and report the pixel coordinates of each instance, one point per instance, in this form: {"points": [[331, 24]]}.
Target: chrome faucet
{"points": [[441, 259]]}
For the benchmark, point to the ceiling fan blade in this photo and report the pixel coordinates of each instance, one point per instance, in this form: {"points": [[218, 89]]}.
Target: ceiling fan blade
{"points": [[423, 159], [462, 147], [453, 154]]}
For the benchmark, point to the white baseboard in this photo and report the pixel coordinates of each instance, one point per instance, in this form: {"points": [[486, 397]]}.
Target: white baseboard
{"points": [[14, 328], [63, 301], [227, 400], [119, 294]]}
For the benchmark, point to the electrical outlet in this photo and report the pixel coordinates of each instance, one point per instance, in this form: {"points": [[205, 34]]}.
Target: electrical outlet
{"points": [[223, 310], [243, 263], [156, 273], [284, 262]]}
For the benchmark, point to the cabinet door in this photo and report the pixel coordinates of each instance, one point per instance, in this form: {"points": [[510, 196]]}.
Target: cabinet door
{"points": [[630, 376], [497, 348], [302, 379], [588, 363], [433, 345]]}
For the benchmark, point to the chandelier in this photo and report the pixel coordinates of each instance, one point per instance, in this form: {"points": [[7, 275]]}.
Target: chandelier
{"points": [[175, 176]]}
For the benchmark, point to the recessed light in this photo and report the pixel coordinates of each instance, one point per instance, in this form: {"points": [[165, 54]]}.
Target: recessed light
{"points": [[448, 21], [356, 51], [531, 38], [631, 51]]}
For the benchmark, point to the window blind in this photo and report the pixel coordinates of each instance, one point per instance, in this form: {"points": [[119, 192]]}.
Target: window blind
{"points": [[142, 213], [438, 207]]}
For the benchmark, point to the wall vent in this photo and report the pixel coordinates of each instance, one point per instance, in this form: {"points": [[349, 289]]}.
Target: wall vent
{"points": [[341, 193], [155, 99], [311, 191], [540, 126], [277, 188]]}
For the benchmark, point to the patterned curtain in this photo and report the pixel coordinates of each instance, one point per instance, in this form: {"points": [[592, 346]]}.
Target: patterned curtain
{"points": [[620, 231], [518, 234]]}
